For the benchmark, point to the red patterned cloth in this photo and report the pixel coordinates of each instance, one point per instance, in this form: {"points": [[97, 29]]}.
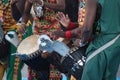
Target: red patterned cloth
{"points": [[45, 25]]}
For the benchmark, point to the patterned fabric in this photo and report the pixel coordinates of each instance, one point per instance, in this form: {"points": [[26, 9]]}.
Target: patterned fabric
{"points": [[46, 24], [106, 63], [8, 23], [2, 70], [6, 16]]}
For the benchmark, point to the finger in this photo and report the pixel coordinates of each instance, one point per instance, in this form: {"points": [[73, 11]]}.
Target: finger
{"points": [[58, 19], [22, 31], [67, 16], [63, 15], [58, 16]]}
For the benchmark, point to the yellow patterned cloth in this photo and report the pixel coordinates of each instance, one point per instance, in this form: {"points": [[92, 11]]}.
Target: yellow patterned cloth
{"points": [[2, 69], [7, 20], [46, 24], [8, 23]]}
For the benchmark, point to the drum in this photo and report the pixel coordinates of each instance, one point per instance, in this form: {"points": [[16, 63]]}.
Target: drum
{"points": [[74, 62], [71, 60], [29, 53]]}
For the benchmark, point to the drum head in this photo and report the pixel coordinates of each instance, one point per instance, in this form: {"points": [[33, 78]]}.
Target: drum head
{"points": [[28, 45]]}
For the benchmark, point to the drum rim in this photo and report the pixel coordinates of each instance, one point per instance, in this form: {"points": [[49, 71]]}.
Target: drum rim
{"points": [[32, 55]]}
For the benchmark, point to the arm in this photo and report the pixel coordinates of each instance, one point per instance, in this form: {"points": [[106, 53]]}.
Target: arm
{"points": [[26, 13], [25, 17], [86, 30], [59, 6], [65, 21]]}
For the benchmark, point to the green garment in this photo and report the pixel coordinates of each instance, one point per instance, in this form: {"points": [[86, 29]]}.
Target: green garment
{"points": [[10, 69], [5, 1], [104, 66]]}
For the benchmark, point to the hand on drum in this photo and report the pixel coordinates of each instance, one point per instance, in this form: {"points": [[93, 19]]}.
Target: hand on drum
{"points": [[63, 19], [23, 28]]}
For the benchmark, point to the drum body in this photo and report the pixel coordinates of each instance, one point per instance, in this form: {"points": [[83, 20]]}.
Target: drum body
{"points": [[74, 62], [35, 61]]}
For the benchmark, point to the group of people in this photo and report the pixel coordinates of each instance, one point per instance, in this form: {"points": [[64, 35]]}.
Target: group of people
{"points": [[77, 20]]}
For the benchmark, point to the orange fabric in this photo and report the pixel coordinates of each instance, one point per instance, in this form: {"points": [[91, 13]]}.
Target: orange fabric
{"points": [[2, 70]]}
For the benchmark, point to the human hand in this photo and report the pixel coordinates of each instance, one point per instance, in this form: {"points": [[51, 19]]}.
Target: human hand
{"points": [[58, 33], [63, 19], [23, 28]]}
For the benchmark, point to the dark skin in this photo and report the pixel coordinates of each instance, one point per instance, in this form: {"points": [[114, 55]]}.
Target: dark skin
{"points": [[60, 6], [18, 8], [84, 31], [25, 17], [25, 7]]}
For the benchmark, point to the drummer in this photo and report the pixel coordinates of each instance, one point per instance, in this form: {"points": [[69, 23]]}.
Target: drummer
{"points": [[27, 12], [109, 30], [60, 6], [8, 23]]}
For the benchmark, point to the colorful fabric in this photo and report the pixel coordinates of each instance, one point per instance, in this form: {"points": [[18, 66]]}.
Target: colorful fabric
{"points": [[6, 16], [14, 69], [2, 70], [104, 66], [15, 64], [7, 22], [46, 24]]}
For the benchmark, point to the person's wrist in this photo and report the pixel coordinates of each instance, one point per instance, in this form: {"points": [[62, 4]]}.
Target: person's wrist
{"points": [[68, 34], [71, 25]]}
